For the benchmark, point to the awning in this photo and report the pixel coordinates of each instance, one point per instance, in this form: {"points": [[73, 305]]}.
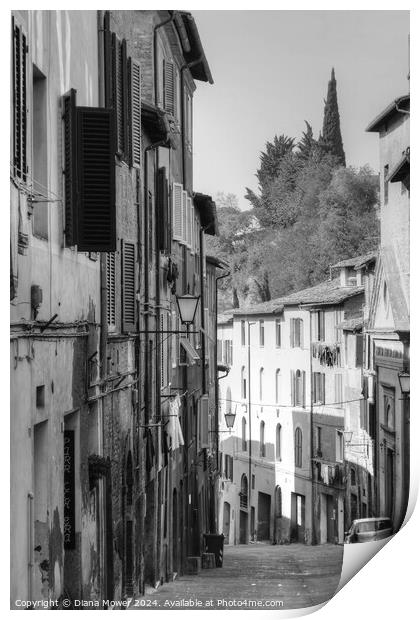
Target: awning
{"points": [[189, 349]]}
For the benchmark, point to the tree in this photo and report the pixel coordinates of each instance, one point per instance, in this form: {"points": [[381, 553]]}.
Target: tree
{"points": [[331, 133]]}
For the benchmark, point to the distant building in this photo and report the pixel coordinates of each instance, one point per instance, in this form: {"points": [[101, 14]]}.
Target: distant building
{"points": [[292, 374], [388, 330]]}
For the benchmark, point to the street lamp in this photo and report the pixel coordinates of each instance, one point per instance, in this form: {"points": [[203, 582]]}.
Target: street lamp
{"points": [[230, 419], [187, 306], [404, 379], [348, 435]]}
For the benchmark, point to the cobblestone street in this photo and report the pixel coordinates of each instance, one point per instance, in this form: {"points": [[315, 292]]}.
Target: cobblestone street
{"points": [[286, 577]]}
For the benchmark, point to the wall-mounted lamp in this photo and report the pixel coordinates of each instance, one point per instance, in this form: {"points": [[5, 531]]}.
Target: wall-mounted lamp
{"points": [[187, 306], [404, 379], [230, 419]]}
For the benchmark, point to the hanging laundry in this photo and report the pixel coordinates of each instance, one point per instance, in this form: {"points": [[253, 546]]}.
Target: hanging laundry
{"points": [[174, 427]]}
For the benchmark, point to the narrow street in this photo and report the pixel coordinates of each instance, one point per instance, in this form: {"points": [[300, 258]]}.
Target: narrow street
{"points": [[255, 576]]}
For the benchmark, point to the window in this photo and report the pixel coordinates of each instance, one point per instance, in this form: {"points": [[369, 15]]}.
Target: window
{"points": [[353, 476], [262, 439], [229, 467], [243, 333], [320, 325], [338, 389], [244, 492], [19, 54], [163, 215], [298, 447], [177, 219], [389, 408], [40, 396], [278, 333], [253, 481], [169, 87], [188, 121], [219, 350], [339, 446], [337, 329], [319, 387], [318, 441], [39, 151], [227, 352], [277, 385], [261, 333], [359, 350], [261, 382], [386, 171], [298, 385], [116, 74], [278, 442], [244, 445], [296, 332], [243, 382]]}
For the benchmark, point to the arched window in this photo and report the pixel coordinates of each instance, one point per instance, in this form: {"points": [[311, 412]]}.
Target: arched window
{"points": [[278, 442], [244, 492], [353, 476], [243, 434], [298, 447], [243, 382], [277, 385], [262, 439], [278, 502], [261, 382]]}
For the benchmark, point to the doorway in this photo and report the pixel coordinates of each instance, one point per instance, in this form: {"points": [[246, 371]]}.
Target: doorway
{"points": [[264, 508], [330, 519], [243, 527], [297, 533], [226, 521]]}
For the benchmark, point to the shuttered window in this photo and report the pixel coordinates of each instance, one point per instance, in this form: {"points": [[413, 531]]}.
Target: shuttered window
{"points": [[296, 332], [204, 421], [169, 91], [70, 166], [110, 289], [96, 180], [163, 221], [359, 350], [135, 113], [20, 123], [177, 211], [129, 286], [319, 387], [188, 223], [119, 89]]}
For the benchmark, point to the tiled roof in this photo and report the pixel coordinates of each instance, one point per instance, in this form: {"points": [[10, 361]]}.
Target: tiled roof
{"points": [[356, 261], [224, 317], [326, 293]]}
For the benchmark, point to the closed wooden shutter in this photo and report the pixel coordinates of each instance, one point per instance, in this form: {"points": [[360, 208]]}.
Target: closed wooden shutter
{"points": [[110, 289], [20, 126], [169, 92], [108, 72], [184, 216], [119, 63], [177, 211], [163, 212], [303, 384], [135, 113], [96, 176], [70, 167], [129, 286], [188, 237]]}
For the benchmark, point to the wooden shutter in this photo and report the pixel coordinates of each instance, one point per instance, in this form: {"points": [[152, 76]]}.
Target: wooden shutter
{"points": [[134, 133], [204, 420], [177, 211], [119, 68], [169, 88], [129, 286], [108, 69], [188, 239], [292, 332], [184, 216], [96, 176], [70, 167], [110, 289], [303, 384], [163, 211], [20, 122]]}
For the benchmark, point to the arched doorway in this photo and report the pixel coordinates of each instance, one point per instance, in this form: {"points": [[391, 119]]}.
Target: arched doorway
{"points": [[226, 521]]}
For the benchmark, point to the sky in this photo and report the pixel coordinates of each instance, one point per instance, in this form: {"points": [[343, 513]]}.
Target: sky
{"points": [[271, 72]]}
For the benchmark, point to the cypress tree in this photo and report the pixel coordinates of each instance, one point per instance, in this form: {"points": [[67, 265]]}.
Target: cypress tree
{"points": [[331, 133]]}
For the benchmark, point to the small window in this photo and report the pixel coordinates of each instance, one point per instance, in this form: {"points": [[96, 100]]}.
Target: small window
{"points": [[40, 153], [278, 442], [244, 443], [40, 396], [243, 382], [296, 333], [261, 333], [339, 446], [277, 385], [278, 333], [261, 383], [262, 439], [386, 171], [353, 477], [298, 447], [243, 333], [318, 440], [253, 481]]}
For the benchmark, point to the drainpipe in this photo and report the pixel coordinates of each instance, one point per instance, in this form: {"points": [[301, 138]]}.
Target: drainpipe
{"points": [[311, 422], [250, 421]]}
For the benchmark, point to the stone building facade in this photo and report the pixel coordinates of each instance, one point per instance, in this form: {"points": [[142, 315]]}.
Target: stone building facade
{"points": [[111, 399]]}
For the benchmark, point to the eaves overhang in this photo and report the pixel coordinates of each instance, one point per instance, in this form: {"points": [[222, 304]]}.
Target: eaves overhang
{"points": [[207, 210], [399, 105]]}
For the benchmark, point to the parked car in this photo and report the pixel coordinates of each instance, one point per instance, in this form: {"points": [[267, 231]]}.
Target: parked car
{"points": [[365, 530]]}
